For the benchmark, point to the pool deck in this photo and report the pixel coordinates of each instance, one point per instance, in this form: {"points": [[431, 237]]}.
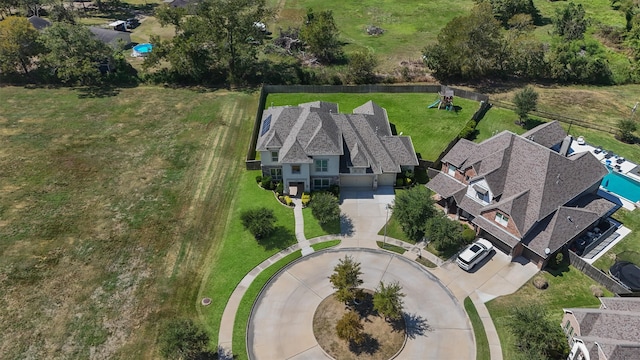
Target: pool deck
{"points": [[621, 165]]}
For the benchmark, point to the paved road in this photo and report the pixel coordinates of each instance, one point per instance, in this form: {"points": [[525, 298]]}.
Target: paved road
{"points": [[281, 325]]}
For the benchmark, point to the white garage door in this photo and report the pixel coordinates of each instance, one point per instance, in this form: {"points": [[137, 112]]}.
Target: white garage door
{"points": [[364, 181], [386, 179]]}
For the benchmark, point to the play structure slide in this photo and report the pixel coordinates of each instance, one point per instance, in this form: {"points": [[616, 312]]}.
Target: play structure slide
{"points": [[434, 104]]}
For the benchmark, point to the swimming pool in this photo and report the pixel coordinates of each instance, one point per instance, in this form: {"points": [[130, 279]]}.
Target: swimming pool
{"points": [[142, 49], [622, 185]]}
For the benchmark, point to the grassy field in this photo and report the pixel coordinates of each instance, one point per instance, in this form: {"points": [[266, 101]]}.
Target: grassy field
{"points": [[570, 288], [112, 203], [409, 25], [430, 129]]}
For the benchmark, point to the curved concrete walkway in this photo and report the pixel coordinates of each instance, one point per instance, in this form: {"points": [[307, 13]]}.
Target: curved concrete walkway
{"points": [[281, 325]]}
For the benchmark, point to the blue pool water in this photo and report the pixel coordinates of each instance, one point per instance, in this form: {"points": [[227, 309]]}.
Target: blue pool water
{"points": [[143, 48], [622, 185]]}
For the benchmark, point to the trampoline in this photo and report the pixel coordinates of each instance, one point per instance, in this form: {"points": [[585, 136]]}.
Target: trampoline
{"points": [[628, 273]]}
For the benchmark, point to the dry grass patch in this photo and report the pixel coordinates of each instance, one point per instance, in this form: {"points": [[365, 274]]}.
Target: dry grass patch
{"points": [[382, 339]]}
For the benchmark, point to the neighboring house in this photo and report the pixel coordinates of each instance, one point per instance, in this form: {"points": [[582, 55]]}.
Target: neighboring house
{"points": [[111, 37], [611, 332], [312, 146], [528, 194], [39, 23]]}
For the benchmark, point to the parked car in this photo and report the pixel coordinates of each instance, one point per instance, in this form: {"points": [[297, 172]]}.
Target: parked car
{"points": [[474, 253]]}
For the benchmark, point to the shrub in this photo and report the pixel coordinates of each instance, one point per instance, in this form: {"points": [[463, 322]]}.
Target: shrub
{"points": [[325, 207], [408, 181], [468, 235], [400, 182], [267, 183], [281, 198], [306, 198], [444, 233], [259, 221], [468, 131], [596, 291], [259, 179], [335, 190], [540, 282], [280, 188], [182, 339], [288, 201]]}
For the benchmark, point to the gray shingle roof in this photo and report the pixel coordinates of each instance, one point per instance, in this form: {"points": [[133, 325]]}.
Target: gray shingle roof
{"points": [[445, 185], [547, 135], [316, 129], [621, 303], [110, 37], [39, 23], [608, 324]]}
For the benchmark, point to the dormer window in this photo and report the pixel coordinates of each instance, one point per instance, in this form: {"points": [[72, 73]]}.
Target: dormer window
{"points": [[274, 156], [502, 219]]}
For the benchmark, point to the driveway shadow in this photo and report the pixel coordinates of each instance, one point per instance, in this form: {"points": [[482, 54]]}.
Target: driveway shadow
{"points": [[416, 325], [346, 225]]}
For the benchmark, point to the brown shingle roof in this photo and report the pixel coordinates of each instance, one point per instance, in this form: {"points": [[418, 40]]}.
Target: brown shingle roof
{"points": [[445, 185]]}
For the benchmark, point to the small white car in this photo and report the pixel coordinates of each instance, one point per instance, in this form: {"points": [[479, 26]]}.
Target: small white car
{"points": [[474, 253]]}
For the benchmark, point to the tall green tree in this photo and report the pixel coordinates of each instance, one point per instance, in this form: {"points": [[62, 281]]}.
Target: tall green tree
{"points": [[220, 38], [325, 207], [320, 34], [74, 54], [387, 300], [570, 22], [468, 46], [505, 10], [525, 100], [349, 328], [443, 232], [412, 208], [182, 339], [580, 61], [19, 45], [361, 67], [346, 278], [536, 333]]}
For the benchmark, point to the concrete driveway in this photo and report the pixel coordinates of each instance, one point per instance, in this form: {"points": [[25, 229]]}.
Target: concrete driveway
{"points": [[495, 276], [364, 210], [281, 325]]}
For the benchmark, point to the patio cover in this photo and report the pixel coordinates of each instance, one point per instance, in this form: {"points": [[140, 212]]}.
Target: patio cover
{"points": [[445, 185]]}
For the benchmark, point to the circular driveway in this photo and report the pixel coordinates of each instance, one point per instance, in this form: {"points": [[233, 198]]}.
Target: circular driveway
{"points": [[281, 325]]}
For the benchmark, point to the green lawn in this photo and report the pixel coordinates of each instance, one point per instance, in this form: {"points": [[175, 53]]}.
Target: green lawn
{"points": [[409, 25], [312, 227], [568, 289], [482, 344], [240, 252], [394, 248], [430, 129], [629, 248], [394, 230]]}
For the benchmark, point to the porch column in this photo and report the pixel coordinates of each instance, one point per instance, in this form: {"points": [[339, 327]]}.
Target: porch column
{"points": [[446, 205]]}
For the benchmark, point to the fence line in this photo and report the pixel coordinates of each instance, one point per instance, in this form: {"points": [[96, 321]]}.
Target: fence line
{"points": [[596, 274], [561, 118]]}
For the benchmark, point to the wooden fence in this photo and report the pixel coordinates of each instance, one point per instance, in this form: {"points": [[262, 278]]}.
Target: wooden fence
{"points": [[596, 274]]}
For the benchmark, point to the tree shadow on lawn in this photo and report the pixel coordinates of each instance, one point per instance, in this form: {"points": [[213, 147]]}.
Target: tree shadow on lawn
{"points": [[280, 238], [560, 269], [332, 227]]}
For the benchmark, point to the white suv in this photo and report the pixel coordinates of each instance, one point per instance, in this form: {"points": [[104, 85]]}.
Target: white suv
{"points": [[474, 253]]}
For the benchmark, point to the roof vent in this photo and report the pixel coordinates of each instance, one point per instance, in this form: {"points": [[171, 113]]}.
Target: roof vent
{"points": [[569, 218]]}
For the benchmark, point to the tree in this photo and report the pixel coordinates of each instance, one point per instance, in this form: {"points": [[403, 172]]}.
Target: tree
{"points": [[468, 46], [218, 40], [259, 221], [349, 328], [74, 54], [361, 67], [526, 101], [182, 339], [18, 45], [346, 278], [61, 13], [320, 34], [626, 128], [570, 22], [536, 333], [412, 208], [505, 10], [443, 232], [325, 207], [387, 300], [580, 61], [525, 55]]}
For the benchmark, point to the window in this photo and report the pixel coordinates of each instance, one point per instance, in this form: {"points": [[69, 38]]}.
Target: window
{"points": [[321, 183], [276, 174], [274, 156], [452, 170], [502, 219], [322, 165], [357, 170], [295, 169]]}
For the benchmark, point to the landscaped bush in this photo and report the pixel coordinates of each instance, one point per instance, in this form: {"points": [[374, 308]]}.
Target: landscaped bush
{"points": [[400, 182], [596, 291], [267, 183], [259, 179], [468, 235], [335, 190], [306, 198], [279, 188], [259, 221], [325, 207], [540, 282], [288, 201]]}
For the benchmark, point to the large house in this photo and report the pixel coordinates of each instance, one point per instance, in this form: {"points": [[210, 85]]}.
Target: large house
{"points": [[313, 146], [528, 194], [611, 332]]}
